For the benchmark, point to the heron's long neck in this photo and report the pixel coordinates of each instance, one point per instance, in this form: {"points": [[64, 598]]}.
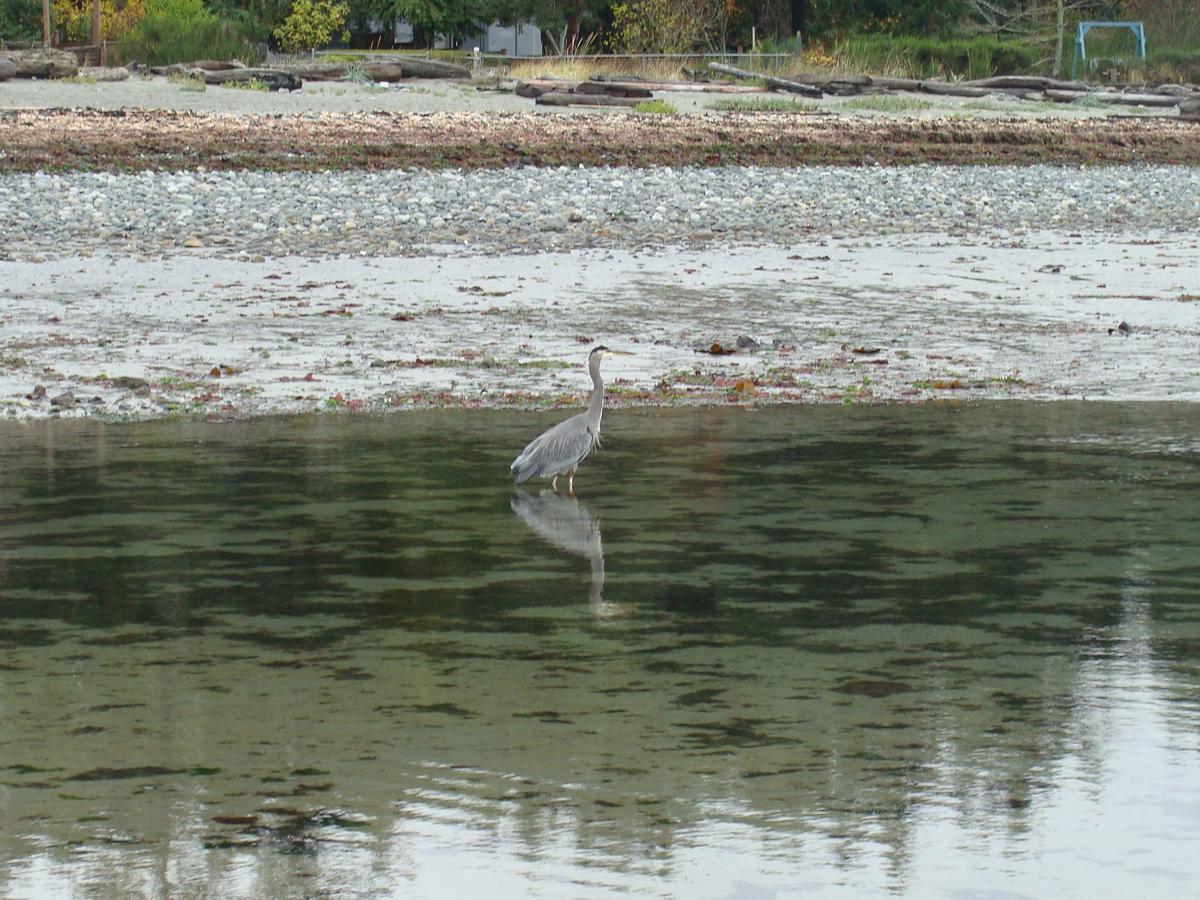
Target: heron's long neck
{"points": [[596, 406]]}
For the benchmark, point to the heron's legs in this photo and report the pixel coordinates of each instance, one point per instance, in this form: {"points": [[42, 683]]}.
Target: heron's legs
{"points": [[571, 482], [554, 484]]}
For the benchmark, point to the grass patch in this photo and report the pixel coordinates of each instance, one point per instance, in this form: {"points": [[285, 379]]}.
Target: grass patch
{"points": [[919, 57], [581, 68], [161, 39], [188, 82], [985, 104], [253, 84], [760, 104], [887, 104], [656, 108]]}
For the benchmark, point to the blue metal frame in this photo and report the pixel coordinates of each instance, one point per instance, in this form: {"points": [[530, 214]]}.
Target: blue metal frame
{"points": [[1083, 28]]}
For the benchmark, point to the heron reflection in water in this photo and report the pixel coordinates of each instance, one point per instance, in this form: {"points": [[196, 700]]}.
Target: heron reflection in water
{"points": [[561, 449], [565, 523]]}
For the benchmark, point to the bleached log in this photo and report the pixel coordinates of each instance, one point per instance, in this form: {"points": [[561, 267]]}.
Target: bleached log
{"points": [[1161, 101], [780, 84], [562, 98]]}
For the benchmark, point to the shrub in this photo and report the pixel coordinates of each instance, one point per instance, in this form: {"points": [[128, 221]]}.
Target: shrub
{"points": [[311, 24], [926, 57], [655, 107], [1173, 64], [116, 19], [20, 20], [160, 40]]}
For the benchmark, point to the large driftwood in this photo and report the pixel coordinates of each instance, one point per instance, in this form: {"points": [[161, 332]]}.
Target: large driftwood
{"points": [[562, 98], [274, 79], [780, 84], [379, 70], [537, 86], [951, 89], [897, 84], [613, 89], [404, 67], [818, 80], [42, 63], [689, 87], [216, 65], [1177, 90], [317, 71], [533, 89], [104, 73], [8, 68], [1156, 100], [1032, 82]]}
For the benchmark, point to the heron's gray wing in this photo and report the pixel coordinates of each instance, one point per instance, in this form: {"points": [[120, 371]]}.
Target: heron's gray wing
{"points": [[558, 450]]}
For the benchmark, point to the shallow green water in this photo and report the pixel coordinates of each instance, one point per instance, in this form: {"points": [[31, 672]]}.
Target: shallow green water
{"points": [[928, 651]]}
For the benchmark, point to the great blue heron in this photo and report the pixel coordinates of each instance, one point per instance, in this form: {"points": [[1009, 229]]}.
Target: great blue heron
{"points": [[560, 450]]}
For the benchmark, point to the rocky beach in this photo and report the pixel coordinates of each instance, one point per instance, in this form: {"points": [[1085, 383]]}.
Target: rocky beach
{"points": [[161, 261]]}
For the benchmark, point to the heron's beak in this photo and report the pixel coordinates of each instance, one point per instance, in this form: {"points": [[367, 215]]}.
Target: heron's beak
{"points": [[617, 353]]}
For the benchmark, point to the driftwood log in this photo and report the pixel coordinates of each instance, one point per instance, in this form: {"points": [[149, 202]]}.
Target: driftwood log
{"points": [[1117, 97], [318, 71], [42, 63], [780, 84], [563, 98], [1026, 87], [538, 86], [379, 70], [8, 68], [952, 89], [1031, 82], [216, 65], [274, 79], [403, 67], [897, 84], [695, 86], [613, 89]]}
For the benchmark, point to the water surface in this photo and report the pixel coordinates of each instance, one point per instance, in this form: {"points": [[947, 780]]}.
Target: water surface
{"points": [[928, 652]]}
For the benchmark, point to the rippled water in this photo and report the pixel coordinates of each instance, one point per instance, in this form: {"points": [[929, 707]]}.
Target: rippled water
{"points": [[929, 652]]}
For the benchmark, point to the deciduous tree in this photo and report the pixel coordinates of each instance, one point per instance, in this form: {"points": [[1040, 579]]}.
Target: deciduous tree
{"points": [[311, 24]]}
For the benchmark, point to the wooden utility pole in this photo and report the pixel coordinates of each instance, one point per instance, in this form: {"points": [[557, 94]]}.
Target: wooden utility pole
{"points": [[96, 32], [1059, 25]]}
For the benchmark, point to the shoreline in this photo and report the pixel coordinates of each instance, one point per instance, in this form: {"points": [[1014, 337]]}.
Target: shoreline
{"points": [[834, 322], [169, 140], [272, 260]]}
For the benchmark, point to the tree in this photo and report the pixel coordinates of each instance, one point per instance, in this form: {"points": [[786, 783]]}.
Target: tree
{"points": [[117, 18], [1169, 23], [256, 18], [444, 17], [563, 21], [311, 24], [20, 20], [672, 26]]}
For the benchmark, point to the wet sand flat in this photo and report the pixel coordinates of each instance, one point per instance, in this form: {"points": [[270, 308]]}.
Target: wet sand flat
{"points": [[896, 319]]}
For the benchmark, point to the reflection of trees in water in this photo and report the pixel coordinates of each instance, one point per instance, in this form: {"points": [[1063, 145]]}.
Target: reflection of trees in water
{"points": [[841, 628]]}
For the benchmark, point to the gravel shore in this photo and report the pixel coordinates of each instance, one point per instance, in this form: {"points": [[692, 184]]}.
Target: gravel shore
{"points": [[156, 287], [518, 210]]}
